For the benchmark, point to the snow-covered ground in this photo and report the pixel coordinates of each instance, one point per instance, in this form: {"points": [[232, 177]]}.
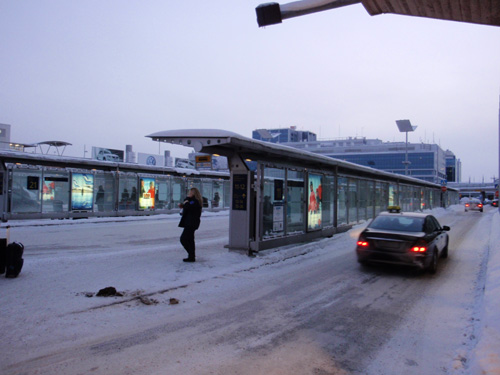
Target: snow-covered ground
{"points": [[49, 304]]}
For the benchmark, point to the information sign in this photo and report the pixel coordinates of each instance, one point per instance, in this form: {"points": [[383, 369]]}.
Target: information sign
{"points": [[240, 186]]}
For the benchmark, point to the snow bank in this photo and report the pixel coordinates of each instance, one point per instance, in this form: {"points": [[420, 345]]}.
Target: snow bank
{"points": [[487, 352]]}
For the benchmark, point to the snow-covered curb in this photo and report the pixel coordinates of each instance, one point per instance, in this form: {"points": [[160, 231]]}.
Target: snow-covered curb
{"points": [[487, 352]]}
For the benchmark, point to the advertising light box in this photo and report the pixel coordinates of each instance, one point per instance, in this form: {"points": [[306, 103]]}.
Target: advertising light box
{"points": [[314, 198], [82, 191], [147, 193], [107, 154]]}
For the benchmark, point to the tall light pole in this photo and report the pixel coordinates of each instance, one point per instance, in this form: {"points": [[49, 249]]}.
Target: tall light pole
{"points": [[405, 126]]}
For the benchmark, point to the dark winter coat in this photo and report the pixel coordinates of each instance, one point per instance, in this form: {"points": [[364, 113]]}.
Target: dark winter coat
{"points": [[191, 213]]}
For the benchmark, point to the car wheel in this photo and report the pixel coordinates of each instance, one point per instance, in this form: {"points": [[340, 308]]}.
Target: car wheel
{"points": [[433, 264], [444, 253], [466, 210], [481, 210]]}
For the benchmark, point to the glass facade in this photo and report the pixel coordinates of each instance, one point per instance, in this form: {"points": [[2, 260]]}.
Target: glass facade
{"points": [[56, 191], [26, 191], [273, 202], [295, 202], [328, 197], [291, 201], [342, 206]]}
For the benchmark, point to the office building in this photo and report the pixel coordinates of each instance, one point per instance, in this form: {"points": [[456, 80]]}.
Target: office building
{"points": [[428, 162]]}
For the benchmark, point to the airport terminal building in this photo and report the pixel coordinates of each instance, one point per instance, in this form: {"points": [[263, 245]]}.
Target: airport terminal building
{"points": [[428, 162]]}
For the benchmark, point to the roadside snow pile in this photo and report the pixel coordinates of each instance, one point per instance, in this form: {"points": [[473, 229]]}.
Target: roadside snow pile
{"points": [[487, 352]]}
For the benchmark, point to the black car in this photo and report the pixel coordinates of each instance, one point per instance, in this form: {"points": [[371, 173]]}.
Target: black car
{"points": [[494, 202], [414, 239]]}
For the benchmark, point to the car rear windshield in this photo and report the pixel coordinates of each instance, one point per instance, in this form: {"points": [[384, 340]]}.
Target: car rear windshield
{"points": [[399, 223]]}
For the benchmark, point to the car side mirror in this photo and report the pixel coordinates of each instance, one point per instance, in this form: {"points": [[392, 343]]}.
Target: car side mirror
{"points": [[446, 227]]}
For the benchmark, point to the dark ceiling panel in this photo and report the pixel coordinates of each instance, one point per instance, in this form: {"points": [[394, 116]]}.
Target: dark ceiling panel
{"points": [[485, 12]]}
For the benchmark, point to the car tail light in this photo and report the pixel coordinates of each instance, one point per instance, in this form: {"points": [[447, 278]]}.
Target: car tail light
{"points": [[419, 247], [362, 243], [480, 205], [467, 205]]}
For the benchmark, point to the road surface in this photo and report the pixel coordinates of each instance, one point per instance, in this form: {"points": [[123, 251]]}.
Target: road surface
{"points": [[302, 309]]}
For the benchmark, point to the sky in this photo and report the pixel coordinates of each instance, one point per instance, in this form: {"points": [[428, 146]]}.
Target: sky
{"points": [[107, 74]]}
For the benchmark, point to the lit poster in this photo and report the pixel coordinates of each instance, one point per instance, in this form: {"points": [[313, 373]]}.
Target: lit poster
{"points": [[314, 202], [147, 193], [82, 189]]}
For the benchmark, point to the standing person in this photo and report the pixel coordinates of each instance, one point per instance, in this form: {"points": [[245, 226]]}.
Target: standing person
{"points": [[190, 221]]}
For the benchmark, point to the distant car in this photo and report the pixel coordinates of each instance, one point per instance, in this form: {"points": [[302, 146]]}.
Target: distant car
{"points": [[474, 205], [107, 155], [412, 239], [494, 202]]}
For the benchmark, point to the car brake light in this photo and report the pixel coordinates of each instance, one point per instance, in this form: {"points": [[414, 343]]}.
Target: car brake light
{"points": [[480, 205], [419, 249], [467, 205], [362, 243]]}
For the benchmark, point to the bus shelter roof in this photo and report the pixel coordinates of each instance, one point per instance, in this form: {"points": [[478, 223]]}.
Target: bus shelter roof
{"points": [[227, 143]]}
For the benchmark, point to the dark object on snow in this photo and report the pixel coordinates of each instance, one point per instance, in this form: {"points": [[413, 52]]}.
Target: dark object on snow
{"points": [[148, 301], [174, 301], [3, 254], [14, 259], [108, 292]]}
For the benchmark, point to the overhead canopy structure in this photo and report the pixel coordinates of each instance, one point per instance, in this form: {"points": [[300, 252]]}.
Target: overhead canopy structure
{"points": [[55, 144], [485, 12]]}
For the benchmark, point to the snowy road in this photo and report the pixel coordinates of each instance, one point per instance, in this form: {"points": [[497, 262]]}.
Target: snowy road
{"points": [[303, 309]]}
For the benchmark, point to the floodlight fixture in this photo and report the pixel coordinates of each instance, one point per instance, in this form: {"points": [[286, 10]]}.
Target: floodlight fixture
{"points": [[405, 126]]}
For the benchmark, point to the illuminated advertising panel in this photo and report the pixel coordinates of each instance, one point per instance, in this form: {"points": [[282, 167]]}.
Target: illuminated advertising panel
{"points": [[147, 193], [82, 189], [314, 202], [107, 154]]}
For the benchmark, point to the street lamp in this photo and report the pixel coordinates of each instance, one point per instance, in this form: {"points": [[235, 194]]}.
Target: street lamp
{"points": [[405, 126]]}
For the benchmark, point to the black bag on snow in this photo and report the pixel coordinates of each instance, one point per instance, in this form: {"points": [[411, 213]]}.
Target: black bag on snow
{"points": [[14, 259], [3, 254]]}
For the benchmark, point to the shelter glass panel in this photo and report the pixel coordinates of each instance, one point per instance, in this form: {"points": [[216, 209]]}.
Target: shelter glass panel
{"points": [[26, 191], [295, 215], [218, 189], [352, 200], [127, 186], [370, 208], [55, 191], [327, 199], [178, 191], [163, 193], [104, 192], [273, 202], [363, 199], [207, 193], [342, 201], [227, 194], [381, 196]]}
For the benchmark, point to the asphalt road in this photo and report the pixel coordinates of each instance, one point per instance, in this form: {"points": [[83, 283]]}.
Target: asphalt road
{"points": [[317, 313]]}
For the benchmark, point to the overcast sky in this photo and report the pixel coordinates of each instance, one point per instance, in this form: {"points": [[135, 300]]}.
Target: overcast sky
{"points": [[107, 73]]}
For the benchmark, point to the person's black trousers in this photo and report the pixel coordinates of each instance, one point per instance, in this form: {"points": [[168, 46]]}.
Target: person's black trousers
{"points": [[187, 240]]}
